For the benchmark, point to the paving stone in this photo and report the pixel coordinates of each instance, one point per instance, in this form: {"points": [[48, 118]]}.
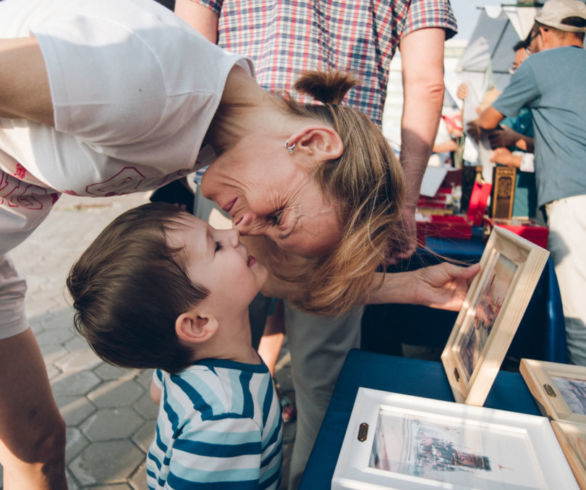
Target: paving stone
{"points": [[79, 383], [44, 301], [117, 393], [106, 463], [138, 479], [145, 378], [147, 407], [111, 423], [78, 360], [144, 436], [108, 372], [74, 409], [77, 342], [52, 372], [61, 319], [52, 352], [76, 443], [72, 483], [36, 327], [55, 336]]}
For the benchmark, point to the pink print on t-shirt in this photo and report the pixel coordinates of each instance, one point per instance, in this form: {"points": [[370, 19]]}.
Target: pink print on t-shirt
{"points": [[124, 182], [20, 172]]}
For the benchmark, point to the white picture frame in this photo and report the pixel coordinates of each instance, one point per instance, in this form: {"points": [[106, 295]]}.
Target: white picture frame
{"points": [[407, 442], [488, 320]]}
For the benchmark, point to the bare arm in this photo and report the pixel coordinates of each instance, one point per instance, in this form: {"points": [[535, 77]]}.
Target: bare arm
{"points": [[442, 286], [422, 58], [489, 118], [199, 17], [24, 85]]}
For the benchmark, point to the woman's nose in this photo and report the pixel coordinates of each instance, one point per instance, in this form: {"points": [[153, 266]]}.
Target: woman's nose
{"points": [[246, 223]]}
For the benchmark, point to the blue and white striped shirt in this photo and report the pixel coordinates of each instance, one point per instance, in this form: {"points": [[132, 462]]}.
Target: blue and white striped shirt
{"points": [[219, 426]]}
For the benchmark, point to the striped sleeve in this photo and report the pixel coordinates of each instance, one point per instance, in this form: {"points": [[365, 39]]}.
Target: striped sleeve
{"points": [[225, 450]]}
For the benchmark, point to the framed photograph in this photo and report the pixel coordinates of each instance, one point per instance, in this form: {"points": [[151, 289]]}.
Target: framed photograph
{"points": [[572, 439], [492, 311], [407, 442], [558, 389], [503, 191]]}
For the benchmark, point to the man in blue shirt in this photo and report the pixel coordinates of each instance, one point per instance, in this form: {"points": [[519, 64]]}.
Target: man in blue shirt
{"points": [[551, 84]]}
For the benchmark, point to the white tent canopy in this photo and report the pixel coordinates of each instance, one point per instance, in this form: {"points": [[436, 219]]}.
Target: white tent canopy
{"points": [[489, 55]]}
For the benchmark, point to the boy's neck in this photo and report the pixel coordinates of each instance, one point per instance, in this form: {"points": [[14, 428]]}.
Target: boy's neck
{"points": [[233, 342]]}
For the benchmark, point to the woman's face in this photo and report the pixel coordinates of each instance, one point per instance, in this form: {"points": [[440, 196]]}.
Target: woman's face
{"points": [[267, 193]]}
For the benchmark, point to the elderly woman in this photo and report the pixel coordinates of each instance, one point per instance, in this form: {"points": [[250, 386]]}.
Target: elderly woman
{"points": [[102, 98]]}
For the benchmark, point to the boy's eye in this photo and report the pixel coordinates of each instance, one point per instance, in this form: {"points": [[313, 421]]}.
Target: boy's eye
{"points": [[218, 246]]}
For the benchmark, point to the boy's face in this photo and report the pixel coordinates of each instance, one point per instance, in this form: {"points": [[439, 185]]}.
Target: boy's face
{"points": [[218, 261]]}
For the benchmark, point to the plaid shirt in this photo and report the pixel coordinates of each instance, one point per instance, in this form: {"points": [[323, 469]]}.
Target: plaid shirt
{"points": [[285, 38]]}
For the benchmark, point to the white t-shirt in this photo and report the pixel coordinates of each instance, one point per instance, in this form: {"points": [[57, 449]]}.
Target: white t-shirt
{"points": [[134, 90]]}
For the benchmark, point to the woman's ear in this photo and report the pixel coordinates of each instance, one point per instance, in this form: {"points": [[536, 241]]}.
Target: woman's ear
{"points": [[194, 327], [318, 141]]}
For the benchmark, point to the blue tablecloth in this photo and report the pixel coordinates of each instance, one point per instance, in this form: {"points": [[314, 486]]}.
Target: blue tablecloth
{"points": [[541, 333], [398, 375]]}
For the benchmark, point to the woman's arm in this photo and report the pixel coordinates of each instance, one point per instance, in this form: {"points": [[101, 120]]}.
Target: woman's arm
{"points": [[442, 286], [24, 85], [200, 17]]}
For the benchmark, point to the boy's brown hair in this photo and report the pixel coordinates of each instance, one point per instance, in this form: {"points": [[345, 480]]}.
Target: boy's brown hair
{"points": [[129, 287]]}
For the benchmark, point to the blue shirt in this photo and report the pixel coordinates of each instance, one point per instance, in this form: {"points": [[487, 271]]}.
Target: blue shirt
{"points": [[552, 84], [219, 427]]}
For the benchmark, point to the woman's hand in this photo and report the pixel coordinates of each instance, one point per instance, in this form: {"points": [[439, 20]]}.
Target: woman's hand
{"points": [[443, 286]]}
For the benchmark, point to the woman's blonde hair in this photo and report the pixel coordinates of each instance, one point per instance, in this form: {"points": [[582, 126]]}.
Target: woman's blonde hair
{"points": [[367, 184]]}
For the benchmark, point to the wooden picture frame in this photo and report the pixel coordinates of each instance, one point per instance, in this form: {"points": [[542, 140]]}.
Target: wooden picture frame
{"points": [[409, 442], [559, 389], [572, 439], [496, 301]]}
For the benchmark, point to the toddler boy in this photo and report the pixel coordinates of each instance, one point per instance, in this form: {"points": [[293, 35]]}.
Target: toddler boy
{"points": [[159, 288]]}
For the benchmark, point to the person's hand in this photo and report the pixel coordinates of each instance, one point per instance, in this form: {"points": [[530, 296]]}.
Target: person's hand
{"points": [[462, 92], [474, 130], [503, 137], [505, 157], [443, 286]]}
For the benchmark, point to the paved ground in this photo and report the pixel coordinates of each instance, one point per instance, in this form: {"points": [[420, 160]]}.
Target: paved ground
{"points": [[110, 417]]}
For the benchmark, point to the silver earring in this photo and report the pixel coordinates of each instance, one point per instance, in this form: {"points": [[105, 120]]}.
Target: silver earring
{"points": [[289, 147]]}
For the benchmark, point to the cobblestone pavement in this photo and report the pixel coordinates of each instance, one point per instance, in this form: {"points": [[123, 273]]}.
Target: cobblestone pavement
{"points": [[110, 417]]}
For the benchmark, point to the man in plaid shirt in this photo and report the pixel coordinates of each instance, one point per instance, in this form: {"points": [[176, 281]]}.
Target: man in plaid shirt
{"points": [[285, 38]]}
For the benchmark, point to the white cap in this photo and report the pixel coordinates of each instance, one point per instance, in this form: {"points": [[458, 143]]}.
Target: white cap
{"points": [[565, 15]]}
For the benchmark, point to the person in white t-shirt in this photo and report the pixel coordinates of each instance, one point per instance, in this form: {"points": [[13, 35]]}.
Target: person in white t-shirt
{"points": [[102, 98]]}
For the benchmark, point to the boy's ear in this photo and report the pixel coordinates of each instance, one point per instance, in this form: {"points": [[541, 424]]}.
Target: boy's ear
{"points": [[195, 327]]}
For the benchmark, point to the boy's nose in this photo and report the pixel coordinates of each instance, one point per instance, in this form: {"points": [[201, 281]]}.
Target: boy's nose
{"points": [[234, 237]]}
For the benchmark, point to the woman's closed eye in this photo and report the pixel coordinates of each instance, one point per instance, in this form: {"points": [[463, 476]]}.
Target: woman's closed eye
{"points": [[276, 218]]}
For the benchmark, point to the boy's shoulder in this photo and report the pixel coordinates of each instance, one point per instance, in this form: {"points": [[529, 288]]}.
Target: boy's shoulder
{"points": [[214, 388]]}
